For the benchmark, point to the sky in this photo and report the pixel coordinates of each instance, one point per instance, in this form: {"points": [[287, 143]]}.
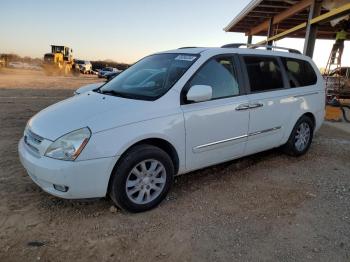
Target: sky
{"points": [[124, 31]]}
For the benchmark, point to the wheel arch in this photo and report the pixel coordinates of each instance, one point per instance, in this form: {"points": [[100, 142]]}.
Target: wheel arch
{"points": [[311, 116], [154, 141], [164, 145], [292, 123]]}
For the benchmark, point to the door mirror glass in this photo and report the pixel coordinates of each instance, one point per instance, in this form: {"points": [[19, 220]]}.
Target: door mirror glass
{"points": [[199, 93]]}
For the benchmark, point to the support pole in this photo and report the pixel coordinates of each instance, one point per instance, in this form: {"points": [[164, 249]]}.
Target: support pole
{"points": [[311, 29], [249, 40], [270, 32]]}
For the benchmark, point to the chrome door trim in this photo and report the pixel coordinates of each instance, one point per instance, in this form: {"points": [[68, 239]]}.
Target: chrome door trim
{"points": [[197, 148], [264, 131], [307, 94]]}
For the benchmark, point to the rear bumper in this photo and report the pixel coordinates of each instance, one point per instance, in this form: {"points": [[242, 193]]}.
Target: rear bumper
{"points": [[84, 179], [319, 119]]}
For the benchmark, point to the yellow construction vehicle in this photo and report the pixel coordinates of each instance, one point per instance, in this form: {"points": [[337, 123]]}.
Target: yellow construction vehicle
{"points": [[60, 60], [3, 60]]}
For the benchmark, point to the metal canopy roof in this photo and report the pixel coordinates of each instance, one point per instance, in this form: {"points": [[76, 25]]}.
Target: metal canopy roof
{"points": [[254, 18]]}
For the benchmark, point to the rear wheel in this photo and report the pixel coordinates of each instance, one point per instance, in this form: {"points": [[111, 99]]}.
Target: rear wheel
{"points": [[142, 178], [301, 137], [346, 112]]}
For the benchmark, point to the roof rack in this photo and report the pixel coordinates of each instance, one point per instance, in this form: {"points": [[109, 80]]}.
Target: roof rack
{"points": [[185, 47], [270, 47]]}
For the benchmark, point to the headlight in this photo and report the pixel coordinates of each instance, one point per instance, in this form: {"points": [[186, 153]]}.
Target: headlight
{"points": [[69, 146]]}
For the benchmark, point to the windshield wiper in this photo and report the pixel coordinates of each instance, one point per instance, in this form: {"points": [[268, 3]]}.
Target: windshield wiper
{"points": [[114, 93]]}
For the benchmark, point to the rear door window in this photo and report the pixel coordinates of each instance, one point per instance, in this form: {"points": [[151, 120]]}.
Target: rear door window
{"points": [[299, 72], [264, 73]]}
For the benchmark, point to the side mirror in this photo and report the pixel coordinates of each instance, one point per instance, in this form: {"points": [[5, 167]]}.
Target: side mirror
{"points": [[199, 93]]}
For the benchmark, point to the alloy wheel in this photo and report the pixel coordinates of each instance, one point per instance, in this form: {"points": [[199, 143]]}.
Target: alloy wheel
{"points": [[145, 181], [302, 136]]}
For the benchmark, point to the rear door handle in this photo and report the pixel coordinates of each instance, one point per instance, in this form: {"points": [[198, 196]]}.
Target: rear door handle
{"points": [[255, 105], [242, 107]]}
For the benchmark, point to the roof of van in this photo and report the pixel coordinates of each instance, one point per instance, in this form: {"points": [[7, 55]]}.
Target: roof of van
{"points": [[218, 50]]}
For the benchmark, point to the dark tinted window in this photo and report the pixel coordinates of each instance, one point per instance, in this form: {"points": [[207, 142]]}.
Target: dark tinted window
{"points": [[219, 73], [299, 72], [264, 73]]}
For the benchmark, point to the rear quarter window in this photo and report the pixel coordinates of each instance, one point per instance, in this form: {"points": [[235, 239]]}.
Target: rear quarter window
{"points": [[299, 72]]}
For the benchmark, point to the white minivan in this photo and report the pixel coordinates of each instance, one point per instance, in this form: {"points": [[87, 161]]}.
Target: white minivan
{"points": [[169, 114]]}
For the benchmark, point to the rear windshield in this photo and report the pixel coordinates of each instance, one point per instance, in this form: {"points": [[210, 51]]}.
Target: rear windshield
{"points": [[151, 77]]}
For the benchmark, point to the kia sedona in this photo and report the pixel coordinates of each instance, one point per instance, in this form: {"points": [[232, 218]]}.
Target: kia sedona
{"points": [[169, 114]]}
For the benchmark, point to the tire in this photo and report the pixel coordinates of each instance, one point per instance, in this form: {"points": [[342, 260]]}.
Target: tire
{"points": [[295, 145], [144, 191], [346, 113]]}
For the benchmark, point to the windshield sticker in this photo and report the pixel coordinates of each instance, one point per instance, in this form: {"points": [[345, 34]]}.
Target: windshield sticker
{"points": [[186, 58]]}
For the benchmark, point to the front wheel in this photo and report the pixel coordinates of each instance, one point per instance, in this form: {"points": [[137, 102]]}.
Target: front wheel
{"points": [[301, 137], [142, 178]]}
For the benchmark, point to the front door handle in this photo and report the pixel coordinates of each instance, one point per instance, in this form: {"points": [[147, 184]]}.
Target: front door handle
{"points": [[255, 105], [242, 107]]}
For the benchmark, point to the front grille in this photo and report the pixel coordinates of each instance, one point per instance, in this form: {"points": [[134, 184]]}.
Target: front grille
{"points": [[36, 138], [32, 140]]}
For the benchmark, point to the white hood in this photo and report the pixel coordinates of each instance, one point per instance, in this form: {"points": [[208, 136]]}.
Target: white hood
{"points": [[91, 109]]}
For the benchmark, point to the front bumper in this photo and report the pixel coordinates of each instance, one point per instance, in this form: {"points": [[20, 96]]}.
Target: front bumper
{"points": [[84, 179]]}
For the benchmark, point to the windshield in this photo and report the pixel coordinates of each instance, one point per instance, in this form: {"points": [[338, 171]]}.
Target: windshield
{"points": [[151, 77]]}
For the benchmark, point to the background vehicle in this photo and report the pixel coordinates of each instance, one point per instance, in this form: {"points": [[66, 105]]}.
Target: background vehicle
{"points": [[84, 66], [338, 83], [60, 60], [169, 114], [90, 87], [109, 76], [16, 65], [106, 70], [2, 62], [22, 65]]}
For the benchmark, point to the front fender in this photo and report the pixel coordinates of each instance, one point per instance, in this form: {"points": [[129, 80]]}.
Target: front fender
{"points": [[114, 142]]}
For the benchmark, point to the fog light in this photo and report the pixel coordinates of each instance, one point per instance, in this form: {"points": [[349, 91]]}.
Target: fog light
{"points": [[61, 188]]}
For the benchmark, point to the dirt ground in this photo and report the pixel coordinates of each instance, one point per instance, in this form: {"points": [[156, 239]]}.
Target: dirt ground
{"points": [[267, 207]]}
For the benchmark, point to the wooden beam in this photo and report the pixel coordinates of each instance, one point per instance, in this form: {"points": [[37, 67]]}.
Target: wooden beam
{"points": [[333, 14], [283, 34], [274, 6], [281, 16], [268, 12]]}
